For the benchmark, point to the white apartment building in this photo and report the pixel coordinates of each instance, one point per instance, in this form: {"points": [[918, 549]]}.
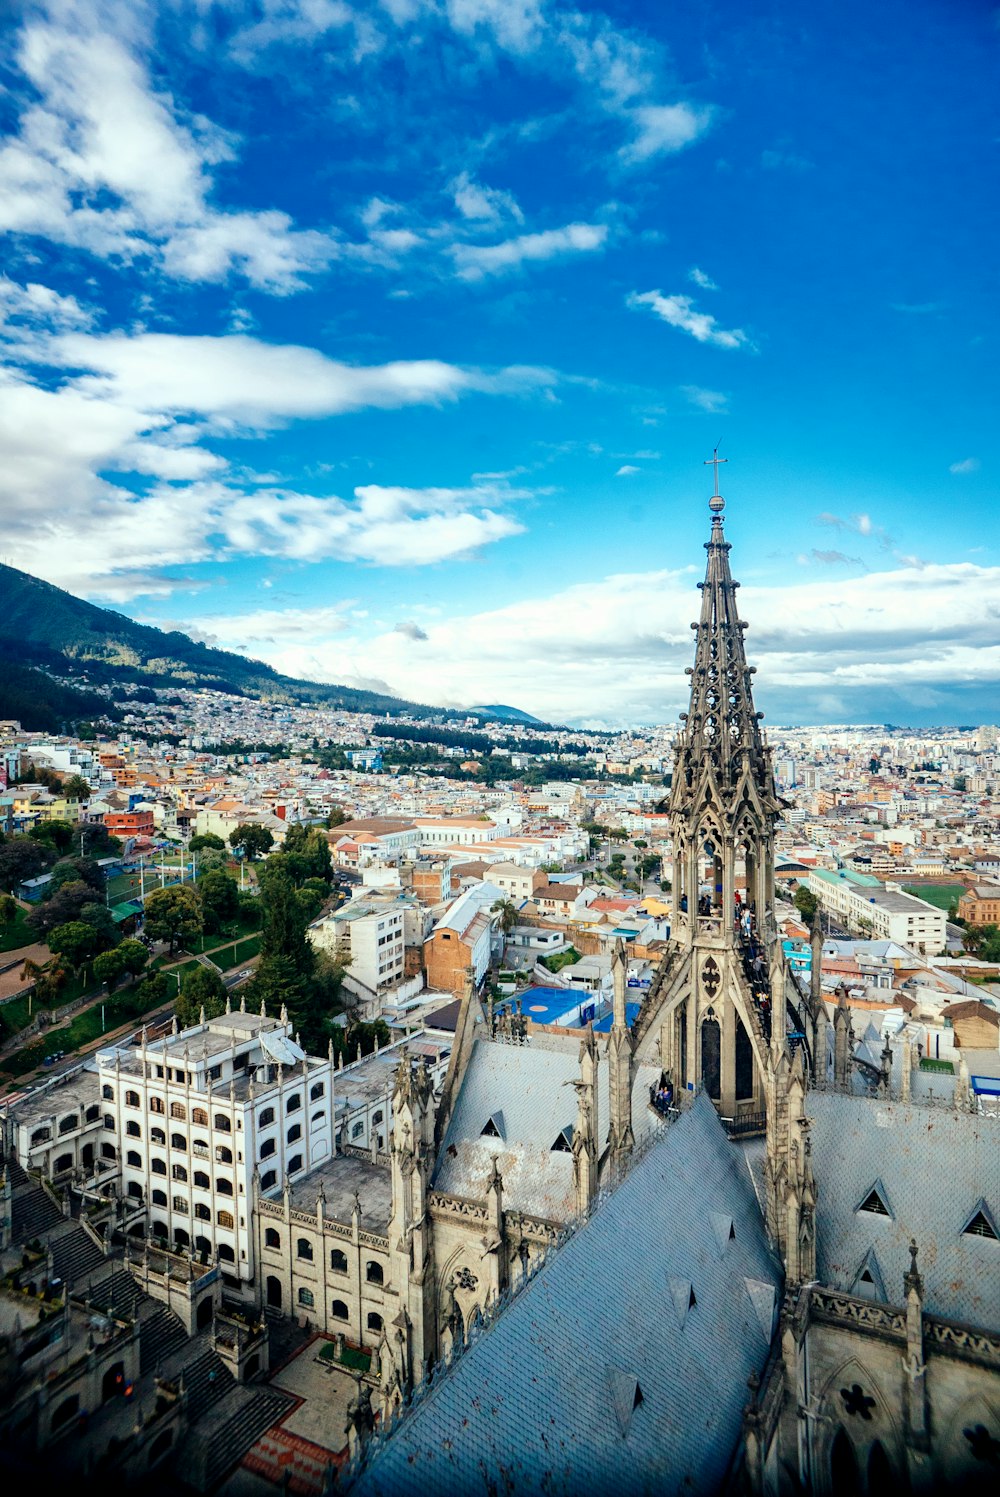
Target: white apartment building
{"points": [[195, 1114], [888, 914], [517, 883]]}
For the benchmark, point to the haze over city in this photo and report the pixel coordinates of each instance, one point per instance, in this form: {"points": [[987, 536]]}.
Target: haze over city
{"points": [[385, 342]]}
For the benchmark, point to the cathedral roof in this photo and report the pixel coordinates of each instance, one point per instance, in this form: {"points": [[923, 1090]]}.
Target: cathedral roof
{"points": [[623, 1365], [932, 1164], [533, 1090]]}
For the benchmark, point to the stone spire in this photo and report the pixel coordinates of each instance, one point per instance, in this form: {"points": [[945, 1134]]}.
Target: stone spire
{"points": [[585, 1131], [620, 1063], [721, 735], [843, 1040]]}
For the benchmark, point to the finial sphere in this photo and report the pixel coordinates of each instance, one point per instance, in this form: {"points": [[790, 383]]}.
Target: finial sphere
{"points": [[717, 504]]}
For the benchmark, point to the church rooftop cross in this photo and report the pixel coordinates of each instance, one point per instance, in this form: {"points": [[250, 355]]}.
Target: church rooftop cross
{"points": [[716, 504]]}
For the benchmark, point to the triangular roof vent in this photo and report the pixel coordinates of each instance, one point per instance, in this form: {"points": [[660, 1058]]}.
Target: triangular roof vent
{"points": [[876, 1201], [981, 1223], [722, 1226], [494, 1126], [868, 1281], [762, 1298], [682, 1295], [563, 1141], [626, 1396]]}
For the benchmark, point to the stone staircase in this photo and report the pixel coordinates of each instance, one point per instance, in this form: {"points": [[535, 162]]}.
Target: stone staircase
{"points": [[117, 1293], [33, 1211], [237, 1421], [160, 1334], [74, 1254]]}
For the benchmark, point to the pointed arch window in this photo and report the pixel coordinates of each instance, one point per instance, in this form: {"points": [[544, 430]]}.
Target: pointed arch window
{"points": [[563, 1141], [494, 1127]]}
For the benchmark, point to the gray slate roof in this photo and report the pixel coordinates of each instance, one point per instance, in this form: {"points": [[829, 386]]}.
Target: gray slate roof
{"points": [[601, 1375], [935, 1164], [532, 1088]]}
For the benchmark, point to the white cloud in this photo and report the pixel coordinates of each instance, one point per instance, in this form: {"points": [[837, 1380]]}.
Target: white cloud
{"points": [[105, 163], [587, 652], [626, 471], [484, 204], [715, 402], [967, 465], [680, 312], [700, 278], [149, 406], [663, 129], [473, 261]]}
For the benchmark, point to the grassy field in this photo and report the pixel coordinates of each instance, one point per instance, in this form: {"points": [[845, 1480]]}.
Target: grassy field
{"points": [[17, 933], [227, 957], [87, 1025], [940, 895]]}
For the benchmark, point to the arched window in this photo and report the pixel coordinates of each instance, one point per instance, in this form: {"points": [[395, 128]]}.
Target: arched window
{"points": [[134, 1189], [294, 1133], [133, 1159], [203, 1245], [158, 1166], [267, 1148], [108, 1151], [202, 1212], [41, 1136], [178, 1172], [178, 1111], [201, 1180], [272, 1238], [132, 1129], [338, 1260], [374, 1273], [222, 1123], [377, 1117], [266, 1117], [67, 1124], [223, 1186], [64, 1162], [338, 1310], [226, 1254], [844, 1475], [374, 1321], [158, 1229], [157, 1136], [304, 1249], [317, 1091], [269, 1179], [199, 1115], [181, 1205], [156, 1104], [881, 1477], [109, 1121], [224, 1155], [159, 1197], [306, 1298], [295, 1163], [108, 1092], [225, 1219], [294, 1102], [178, 1141], [92, 1114], [358, 1129], [131, 1099], [316, 1119]]}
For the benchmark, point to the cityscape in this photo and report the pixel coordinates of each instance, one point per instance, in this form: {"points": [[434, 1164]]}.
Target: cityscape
{"points": [[488, 1002]]}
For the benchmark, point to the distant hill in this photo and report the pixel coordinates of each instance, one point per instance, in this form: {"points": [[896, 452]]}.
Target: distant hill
{"points": [[45, 628], [507, 715]]}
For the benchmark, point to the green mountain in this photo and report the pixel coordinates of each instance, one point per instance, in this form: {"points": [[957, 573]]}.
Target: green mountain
{"points": [[44, 629]]}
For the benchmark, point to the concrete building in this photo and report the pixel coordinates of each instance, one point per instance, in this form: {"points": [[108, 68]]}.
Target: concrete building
{"points": [[887, 914], [980, 905]]}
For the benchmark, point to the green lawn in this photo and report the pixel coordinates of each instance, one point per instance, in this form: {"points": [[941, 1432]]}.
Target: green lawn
{"points": [[353, 1356], [18, 933], [940, 895], [228, 957], [560, 959], [86, 1026]]}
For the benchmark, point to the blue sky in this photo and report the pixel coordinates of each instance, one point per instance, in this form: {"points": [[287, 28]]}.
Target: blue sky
{"points": [[385, 341]]}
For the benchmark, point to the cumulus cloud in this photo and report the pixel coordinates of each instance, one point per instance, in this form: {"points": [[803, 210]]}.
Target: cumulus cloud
{"points": [[680, 312], [488, 205], [662, 129], [410, 629], [586, 651], [474, 261], [151, 405], [626, 471], [701, 279], [967, 465], [104, 162]]}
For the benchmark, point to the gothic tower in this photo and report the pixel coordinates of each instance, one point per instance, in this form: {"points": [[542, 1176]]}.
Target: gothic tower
{"points": [[708, 1013]]}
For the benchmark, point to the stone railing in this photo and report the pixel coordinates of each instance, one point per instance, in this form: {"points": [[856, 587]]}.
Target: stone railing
{"points": [[860, 1314], [459, 1208], [962, 1341]]}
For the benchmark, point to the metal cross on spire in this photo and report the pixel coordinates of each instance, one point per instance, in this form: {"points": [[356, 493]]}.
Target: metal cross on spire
{"points": [[716, 504]]}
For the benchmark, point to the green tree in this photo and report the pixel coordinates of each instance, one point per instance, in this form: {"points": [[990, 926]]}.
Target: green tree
{"points": [[69, 870], [203, 840], [337, 817], [109, 968], [76, 941], [173, 915], [806, 903], [251, 839], [983, 941], [64, 905], [8, 909], [23, 858], [58, 834], [960, 783], [133, 955], [76, 788], [310, 902], [308, 853], [99, 916], [220, 899], [201, 988], [506, 913], [49, 978]]}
